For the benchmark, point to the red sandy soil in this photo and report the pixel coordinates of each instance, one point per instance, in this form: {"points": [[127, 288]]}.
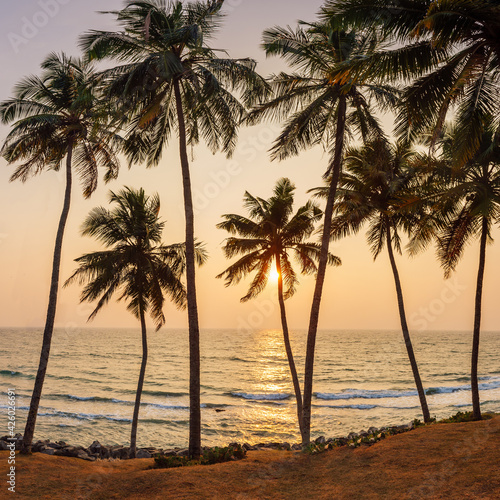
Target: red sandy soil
{"points": [[441, 461]]}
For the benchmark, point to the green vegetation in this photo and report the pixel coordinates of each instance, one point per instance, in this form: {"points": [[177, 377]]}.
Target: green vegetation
{"points": [[211, 456]]}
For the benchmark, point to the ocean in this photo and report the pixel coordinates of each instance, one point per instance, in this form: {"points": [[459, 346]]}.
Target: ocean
{"points": [[362, 379]]}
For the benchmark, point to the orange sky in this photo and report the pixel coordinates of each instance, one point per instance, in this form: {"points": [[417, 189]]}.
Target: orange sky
{"points": [[360, 294]]}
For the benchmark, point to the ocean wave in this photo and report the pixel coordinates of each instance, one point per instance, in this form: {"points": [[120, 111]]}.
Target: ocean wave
{"points": [[365, 407], [390, 393], [13, 373], [83, 416], [116, 401], [364, 394], [261, 397]]}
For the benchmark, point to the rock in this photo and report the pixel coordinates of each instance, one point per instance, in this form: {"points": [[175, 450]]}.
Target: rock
{"points": [[286, 446], [143, 454], [54, 446], [48, 451], [372, 430], [82, 455], [120, 452], [320, 440], [39, 446], [183, 453], [3, 445], [352, 435], [95, 447], [296, 447], [248, 447], [70, 451], [169, 453]]}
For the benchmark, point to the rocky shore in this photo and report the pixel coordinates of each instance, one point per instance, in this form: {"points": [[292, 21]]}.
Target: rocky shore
{"points": [[97, 451]]}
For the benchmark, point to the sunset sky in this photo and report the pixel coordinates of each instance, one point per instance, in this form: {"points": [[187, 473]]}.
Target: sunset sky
{"points": [[358, 295]]}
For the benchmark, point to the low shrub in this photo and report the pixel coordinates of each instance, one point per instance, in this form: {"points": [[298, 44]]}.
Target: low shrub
{"points": [[211, 456]]}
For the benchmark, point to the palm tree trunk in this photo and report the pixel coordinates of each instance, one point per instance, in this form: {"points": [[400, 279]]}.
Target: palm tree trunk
{"points": [[320, 279], [194, 330], [29, 429], [288, 347], [404, 328], [135, 418], [476, 406]]}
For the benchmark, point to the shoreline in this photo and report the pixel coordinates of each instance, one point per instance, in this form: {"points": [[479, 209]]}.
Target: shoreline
{"points": [[98, 452], [459, 460]]}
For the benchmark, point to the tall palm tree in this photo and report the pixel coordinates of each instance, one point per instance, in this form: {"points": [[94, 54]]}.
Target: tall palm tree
{"points": [[378, 183], [449, 52], [136, 265], [171, 80], [58, 115], [268, 236], [474, 193], [322, 103]]}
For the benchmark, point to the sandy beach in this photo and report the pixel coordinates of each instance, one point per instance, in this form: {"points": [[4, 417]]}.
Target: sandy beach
{"points": [[440, 461]]}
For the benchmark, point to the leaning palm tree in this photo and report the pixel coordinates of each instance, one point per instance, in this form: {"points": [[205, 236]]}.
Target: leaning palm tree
{"points": [[58, 116], [172, 81], [474, 193], [379, 182], [136, 265], [268, 236], [322, 103]]}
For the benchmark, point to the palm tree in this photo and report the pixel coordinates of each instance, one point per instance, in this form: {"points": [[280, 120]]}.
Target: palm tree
{"points": [[173, 81], [448, 50], [136, 265], [58, 115], [322, 104], [266, 237], [379, 182], [474, 193]]}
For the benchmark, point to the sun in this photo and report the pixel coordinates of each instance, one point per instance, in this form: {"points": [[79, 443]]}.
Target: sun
{"points": [[273, 274]]}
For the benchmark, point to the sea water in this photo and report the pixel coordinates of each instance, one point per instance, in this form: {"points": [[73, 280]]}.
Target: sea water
{"points": [[362, 379]]}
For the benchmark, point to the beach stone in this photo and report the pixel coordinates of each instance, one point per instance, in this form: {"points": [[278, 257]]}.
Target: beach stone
{"points": [[143, 454], [70, 451], [296, 447], [169, 453], [95, 447], [372, 430], [320, 440], [3, 445], [82, 455], [352, 435], [38, 446], [248, 447], [54, 446], [286, 446], [183, 453], [48, 451]]}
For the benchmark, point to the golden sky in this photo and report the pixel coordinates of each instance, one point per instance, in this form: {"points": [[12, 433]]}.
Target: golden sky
{"points": [[358, 295]]}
